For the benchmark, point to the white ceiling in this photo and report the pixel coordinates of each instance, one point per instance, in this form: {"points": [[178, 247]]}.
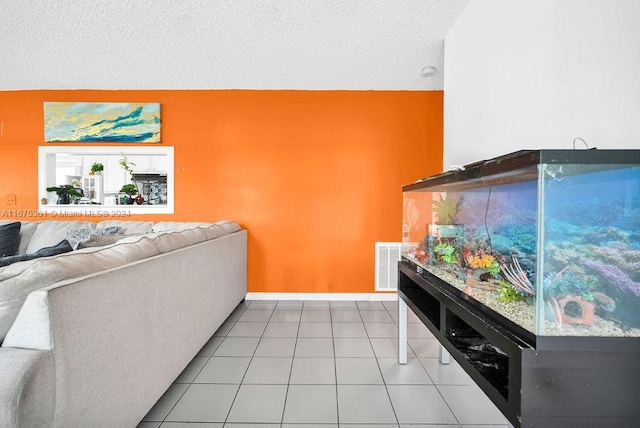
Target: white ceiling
{"points": [[224, 44]]}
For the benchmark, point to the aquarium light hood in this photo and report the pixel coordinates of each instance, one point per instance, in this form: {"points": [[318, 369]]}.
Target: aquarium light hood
{"points": [[523, 165]]}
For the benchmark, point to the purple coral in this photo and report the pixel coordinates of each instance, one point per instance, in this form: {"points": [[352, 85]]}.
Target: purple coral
{"points": [[518, 278], [614, 275]]}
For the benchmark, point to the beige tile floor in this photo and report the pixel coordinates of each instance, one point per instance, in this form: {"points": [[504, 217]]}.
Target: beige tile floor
{"points": [[321, 364]]}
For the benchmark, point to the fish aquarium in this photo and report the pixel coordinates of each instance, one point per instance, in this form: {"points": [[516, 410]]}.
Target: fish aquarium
{"points": [[548, 239]]}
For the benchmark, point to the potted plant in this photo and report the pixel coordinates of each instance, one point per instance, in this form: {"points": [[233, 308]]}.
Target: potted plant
{"points": [[130, 189], [96, 169], [65, 192], [126, 165]]}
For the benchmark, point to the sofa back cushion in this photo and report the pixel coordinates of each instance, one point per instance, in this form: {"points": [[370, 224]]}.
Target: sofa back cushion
{"points": [[77, 236], [51, 232], [172, 226], [128, 227], [26, 233], [169, 241], [19, 279], [221, 228], [100, 241]]}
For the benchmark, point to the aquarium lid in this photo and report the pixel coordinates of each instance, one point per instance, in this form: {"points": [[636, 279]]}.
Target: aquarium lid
{"points": [[522, 166]]}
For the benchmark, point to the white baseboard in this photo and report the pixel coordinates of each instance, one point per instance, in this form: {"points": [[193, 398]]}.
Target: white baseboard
{"points": [[371, 297]]}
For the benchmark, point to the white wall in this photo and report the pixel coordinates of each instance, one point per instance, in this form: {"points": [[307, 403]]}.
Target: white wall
{"points": [[537, 74], [223, 44]]}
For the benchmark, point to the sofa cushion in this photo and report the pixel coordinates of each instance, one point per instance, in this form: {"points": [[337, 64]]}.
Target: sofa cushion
{"points": [[221, 228], [19, 279], [26, 233], [169, 226], [128, 227], [100, 241], [62, 247], [49, 233], [169, 241], [9, 239], [76, 236]]}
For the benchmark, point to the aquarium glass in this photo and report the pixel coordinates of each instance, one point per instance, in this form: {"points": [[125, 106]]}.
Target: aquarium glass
{"points": [[589, 273], [555, 248]]}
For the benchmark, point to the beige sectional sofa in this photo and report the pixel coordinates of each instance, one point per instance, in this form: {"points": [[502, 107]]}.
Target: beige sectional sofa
{"points": [[94, 337]]}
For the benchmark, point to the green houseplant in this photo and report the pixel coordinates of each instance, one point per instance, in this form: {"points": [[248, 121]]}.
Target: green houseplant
{"points": [[96, 168], [126, 165], [131, 190], [65, 192]]}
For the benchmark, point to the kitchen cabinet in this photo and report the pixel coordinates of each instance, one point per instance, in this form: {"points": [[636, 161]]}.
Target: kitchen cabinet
{"points": [[114, 176], [139, 163], [149, 163], [93, 188]]}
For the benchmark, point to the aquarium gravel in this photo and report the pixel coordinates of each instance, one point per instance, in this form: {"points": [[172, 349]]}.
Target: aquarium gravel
{"points": [[522, 313]]}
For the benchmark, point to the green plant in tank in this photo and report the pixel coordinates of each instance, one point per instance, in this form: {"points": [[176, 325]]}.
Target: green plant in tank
{"points": [[508, 293], [446, 209], [446, 252], [589, 297], [493, 268], [567, 282]]}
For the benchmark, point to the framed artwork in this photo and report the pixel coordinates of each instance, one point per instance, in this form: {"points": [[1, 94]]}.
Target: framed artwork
{"points": [[102, 122]]}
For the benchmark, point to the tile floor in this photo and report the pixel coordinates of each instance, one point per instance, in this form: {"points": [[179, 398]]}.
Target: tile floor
{"points": [[321, 364]]}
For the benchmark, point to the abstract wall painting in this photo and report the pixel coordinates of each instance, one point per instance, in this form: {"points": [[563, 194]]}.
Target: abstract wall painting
{"points": [[102, 122]]}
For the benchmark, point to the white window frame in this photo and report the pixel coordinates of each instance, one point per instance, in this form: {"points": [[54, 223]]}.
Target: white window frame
{"points": [[46, 160]]}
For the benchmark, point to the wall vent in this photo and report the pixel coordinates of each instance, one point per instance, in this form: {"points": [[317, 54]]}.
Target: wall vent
{"points": [[387, 257]]}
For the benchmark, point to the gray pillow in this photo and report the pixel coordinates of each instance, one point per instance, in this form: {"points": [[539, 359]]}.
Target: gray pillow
{"points": [[9, 239], [62, 247], [76, 236], [100, 241]]}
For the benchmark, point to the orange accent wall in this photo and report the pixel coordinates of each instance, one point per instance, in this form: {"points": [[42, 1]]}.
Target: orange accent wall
{"points": [[314, 176]]}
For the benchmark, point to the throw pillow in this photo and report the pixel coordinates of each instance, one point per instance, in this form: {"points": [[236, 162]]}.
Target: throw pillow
{"points": [[51, 232], [76, 236], [9, 239], [62, 247]]}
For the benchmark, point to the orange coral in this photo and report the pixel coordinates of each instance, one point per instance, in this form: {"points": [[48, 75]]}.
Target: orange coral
{"points": [[482, 261]]}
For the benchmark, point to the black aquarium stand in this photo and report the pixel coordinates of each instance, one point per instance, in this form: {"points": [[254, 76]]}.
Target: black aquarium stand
{"points": [[535, 381]]}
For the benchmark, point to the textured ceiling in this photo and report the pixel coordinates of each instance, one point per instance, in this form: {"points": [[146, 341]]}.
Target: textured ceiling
{"points": [[215, 44]]}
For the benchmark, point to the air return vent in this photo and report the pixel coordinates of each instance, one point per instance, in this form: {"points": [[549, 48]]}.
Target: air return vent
{"points": [[387, 257]]}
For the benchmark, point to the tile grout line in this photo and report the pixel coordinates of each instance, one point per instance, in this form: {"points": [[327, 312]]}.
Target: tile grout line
{"points": [[429, 376], [253, 356], [384, 382], [293, 356], [247, 369], [335, 366], [164, 419]]}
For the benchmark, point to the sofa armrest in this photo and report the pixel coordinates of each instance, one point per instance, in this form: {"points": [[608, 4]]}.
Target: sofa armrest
{"points": [[32, 327], [26, 388]]}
